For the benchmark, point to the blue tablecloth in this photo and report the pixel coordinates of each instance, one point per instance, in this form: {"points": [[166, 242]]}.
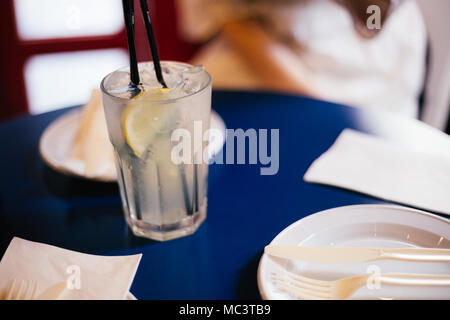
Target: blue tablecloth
{"points": [[245, 209]]}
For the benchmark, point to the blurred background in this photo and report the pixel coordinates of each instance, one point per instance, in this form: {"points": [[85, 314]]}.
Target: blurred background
{"points": [[54, 52]]}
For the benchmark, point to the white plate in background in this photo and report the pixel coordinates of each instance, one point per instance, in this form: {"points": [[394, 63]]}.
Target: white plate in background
{"points": [[55, 145]]}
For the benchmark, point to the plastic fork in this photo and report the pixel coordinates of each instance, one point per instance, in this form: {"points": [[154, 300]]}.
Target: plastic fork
{"points": [[23, 290], [27, 290], [307, 288]]}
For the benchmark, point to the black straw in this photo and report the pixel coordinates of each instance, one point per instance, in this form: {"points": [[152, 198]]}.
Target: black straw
{"points": [[152, 41], [128, 12]]}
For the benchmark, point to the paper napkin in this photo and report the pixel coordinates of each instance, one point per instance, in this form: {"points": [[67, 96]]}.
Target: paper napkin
{"points": [[91, 143], [386, 170], [87, 276]]}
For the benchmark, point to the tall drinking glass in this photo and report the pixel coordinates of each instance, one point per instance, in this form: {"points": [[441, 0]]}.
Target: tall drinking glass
{"points": [[162, 197]]}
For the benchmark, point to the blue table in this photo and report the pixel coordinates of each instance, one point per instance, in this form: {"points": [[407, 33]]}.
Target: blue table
{"points": [[245, 210]]}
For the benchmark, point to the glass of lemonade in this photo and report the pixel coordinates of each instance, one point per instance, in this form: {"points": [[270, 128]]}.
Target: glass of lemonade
{"points": [[162, 199]]}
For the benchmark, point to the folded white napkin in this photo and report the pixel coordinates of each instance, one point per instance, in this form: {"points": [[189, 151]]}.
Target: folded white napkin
{"points": [[87, 276], [386, 170]]}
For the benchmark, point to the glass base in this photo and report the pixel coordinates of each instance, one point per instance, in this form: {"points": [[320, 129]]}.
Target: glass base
{"points": [[185, 227]]}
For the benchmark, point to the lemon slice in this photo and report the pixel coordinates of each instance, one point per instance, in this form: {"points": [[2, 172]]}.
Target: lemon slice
{"points": [[144, 118]]}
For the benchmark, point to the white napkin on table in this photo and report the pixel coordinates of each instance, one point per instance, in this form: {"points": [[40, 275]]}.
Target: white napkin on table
{"points": [[386, 170], [98, 277]]}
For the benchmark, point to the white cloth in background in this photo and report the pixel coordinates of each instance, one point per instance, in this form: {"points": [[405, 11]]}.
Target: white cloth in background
{"points": [[384, 72], [387, 170]]}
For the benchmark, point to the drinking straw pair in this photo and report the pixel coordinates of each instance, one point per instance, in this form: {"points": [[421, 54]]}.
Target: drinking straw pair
{"points": [[128, 10]]}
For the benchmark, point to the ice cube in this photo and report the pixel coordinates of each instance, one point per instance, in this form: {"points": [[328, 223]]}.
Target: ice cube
{"points": [[117, 84]]}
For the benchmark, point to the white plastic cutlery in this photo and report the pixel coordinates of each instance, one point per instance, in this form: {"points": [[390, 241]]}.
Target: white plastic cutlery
{"points": [[352, 255], [21, 290], [307, 288], [53, 292], [27, 290]]}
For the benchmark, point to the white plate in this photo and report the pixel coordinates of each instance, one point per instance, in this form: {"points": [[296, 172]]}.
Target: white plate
{"points": [[56, 141], [383, 226]]}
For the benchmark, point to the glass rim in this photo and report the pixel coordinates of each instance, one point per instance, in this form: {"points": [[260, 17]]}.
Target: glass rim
{"points": [[206, 85]]}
